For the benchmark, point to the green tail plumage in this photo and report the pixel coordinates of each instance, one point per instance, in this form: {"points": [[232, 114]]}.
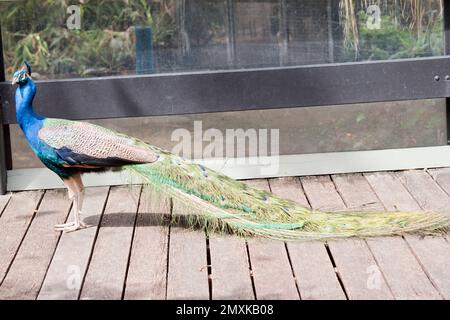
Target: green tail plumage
{"points": [[221, 202]]}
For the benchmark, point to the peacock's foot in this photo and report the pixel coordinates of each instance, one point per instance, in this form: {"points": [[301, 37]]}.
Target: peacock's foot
{"points": [[71, 226]]}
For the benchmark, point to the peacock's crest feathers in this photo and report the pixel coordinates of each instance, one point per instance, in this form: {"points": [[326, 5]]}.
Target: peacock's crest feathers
{"points": [[27, 67]]}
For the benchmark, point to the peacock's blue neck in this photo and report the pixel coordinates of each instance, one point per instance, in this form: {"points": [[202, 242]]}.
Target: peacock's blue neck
{"points": [[29, 122]]}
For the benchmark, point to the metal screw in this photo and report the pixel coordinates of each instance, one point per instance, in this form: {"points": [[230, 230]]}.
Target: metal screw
{"points": [[437, 78], [447, 77]]}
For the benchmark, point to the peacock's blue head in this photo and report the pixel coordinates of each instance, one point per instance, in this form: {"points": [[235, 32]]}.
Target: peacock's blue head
{"points": [[21, 76]]}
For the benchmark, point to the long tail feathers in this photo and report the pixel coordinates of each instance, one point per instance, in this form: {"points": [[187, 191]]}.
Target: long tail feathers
{"points": [[220, 202]]}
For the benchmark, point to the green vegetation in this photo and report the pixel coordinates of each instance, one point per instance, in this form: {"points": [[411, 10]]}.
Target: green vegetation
{"points": [[394, 42], [36, 31], [410, 29]]}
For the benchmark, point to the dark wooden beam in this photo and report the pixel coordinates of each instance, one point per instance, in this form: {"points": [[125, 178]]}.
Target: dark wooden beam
{"points": [[237, 90], [446, 13], [5, 142]]}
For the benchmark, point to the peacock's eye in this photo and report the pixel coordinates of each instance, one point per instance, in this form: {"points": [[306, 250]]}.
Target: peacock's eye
{"points": [[22, 76]]}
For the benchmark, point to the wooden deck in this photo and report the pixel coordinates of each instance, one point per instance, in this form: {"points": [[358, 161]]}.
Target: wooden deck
{"points": [[127, 254]]}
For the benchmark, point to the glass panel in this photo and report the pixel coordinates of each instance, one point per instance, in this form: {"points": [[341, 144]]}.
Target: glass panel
{"points": [[301, 130], [115, 37]]}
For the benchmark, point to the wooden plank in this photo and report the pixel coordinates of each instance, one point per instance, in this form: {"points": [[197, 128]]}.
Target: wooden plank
{"points": [[230, 269], [105, 277], [4, 200], [70, 262], [314, 272], [403, 273], [434, 255], [442, 177], [289, 188], [395, 196], [271, 270], [188, 264], [398, 265], [391, 192], [359, 271], [28, 270], [353, 258], [432, 252], [13, 225], [269, 260], [322, 194], [357, 193], [261, 184], [146, 278], [425, 190]]}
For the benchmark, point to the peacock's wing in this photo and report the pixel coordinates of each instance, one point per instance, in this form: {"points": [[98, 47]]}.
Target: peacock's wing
{"points": [[87, 145]]}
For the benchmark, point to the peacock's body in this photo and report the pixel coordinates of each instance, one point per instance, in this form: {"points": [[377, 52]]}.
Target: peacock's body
{"points": [[71, 148]]}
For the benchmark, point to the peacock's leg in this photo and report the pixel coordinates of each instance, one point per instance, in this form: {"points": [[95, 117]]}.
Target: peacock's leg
{"points": [[80, 199], [76, 193]]}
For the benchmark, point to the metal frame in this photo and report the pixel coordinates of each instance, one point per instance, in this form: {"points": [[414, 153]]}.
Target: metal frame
{"points": [[5, 153], [235, 90], [446, 4]]}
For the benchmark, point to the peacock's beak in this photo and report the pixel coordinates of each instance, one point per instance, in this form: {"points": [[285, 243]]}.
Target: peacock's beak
{"points": [[14, 81]]}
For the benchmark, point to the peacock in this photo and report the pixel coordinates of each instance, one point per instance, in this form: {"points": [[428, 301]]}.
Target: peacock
{"points": [[71, 148]]}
